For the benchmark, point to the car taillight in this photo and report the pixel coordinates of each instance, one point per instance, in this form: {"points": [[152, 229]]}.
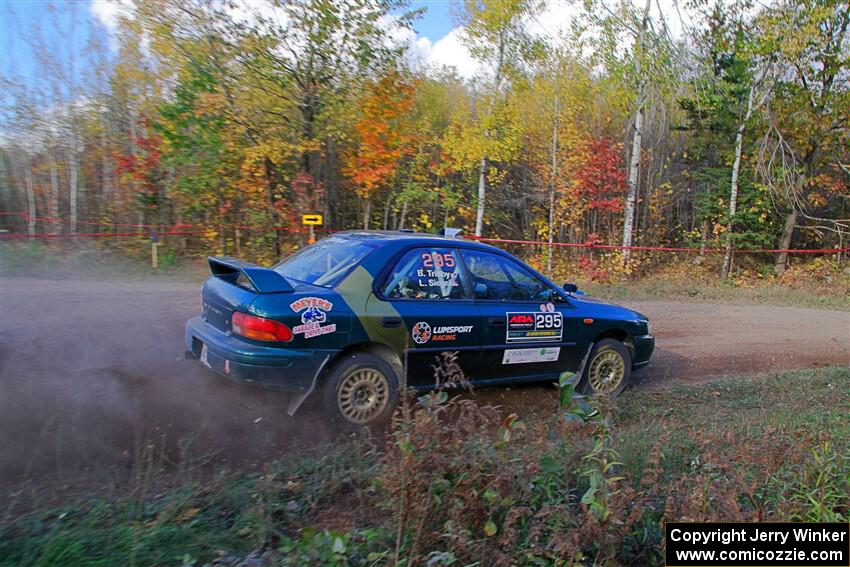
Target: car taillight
{"points": [[259, 328]]}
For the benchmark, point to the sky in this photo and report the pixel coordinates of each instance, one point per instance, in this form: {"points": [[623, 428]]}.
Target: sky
{"points": [[67, 27]]}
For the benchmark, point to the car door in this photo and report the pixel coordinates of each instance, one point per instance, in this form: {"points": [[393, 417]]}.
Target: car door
{"points": [[428, 288], [530, 331]]}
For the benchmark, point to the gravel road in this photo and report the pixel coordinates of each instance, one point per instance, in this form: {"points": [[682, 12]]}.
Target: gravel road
{"points": [[90, 371]]}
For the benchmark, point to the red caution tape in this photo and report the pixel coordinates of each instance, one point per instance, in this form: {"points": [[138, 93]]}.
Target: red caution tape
{"points": [[188, 229], [657, 248]]}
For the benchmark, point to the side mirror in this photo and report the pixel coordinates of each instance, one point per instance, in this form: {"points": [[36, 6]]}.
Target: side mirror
{"points": [[570, 288]]}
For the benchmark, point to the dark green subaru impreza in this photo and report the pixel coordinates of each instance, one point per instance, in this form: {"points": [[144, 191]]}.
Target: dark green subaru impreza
{"points": [[361, 314]]}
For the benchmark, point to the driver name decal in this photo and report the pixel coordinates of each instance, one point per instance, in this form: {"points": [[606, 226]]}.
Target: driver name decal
{"points": [[438, 271], [534, 326], [313, 313]]}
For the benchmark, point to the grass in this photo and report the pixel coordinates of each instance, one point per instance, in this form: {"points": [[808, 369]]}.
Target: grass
{"points": [[454, 484]]}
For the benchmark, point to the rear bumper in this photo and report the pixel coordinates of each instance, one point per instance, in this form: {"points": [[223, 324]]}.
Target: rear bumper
{"points": [[644, 345], [240, 361]]}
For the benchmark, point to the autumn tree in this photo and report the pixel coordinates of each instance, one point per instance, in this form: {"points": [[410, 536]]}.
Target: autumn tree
{"points": [[734, 85], [809, 118], [495, 34], [384, 138]]}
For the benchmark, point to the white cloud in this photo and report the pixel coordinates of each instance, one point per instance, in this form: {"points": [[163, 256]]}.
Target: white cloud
{"points": [[449, 51], [109, 13], [253, 12], [552, 23]]}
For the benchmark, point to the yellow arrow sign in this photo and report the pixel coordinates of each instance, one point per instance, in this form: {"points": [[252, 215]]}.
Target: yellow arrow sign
{"points": [[311, 219]]}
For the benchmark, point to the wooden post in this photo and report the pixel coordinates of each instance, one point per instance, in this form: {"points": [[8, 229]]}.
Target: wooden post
{"points": [[154, 259]]}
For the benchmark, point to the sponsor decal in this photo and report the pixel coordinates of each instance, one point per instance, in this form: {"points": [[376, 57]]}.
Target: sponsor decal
{"points": [[527, 355], [534, 326], [313, 313], [317, 302], [422, 332]]}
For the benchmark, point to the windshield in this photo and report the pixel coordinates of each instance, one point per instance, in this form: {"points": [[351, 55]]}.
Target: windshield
{"points": [[326, 262]]}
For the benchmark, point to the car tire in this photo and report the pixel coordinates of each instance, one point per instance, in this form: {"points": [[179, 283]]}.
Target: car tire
{"points": [[360, 391], [608, 369]]}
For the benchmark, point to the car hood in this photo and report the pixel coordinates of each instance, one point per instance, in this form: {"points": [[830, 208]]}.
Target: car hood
{"points": [[605, 310]]}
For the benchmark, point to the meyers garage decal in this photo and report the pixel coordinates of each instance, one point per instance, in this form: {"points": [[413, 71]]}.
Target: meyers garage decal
{"points": [[535, 327], [313, 313], [422, 332]]}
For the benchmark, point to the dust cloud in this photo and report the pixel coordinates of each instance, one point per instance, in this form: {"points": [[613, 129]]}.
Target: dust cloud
{"points": [[92, 372]]}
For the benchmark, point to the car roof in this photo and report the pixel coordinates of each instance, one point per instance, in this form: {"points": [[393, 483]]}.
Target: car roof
{"points": [[385, 237]]}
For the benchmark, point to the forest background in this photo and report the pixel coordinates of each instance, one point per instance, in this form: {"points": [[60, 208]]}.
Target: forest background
{"points": [[717, 126]]}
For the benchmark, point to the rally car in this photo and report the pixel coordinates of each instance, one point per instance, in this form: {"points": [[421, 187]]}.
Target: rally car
{"points": [[359, 315]]}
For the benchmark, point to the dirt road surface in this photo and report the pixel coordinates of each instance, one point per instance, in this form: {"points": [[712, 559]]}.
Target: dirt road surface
{"points": [[91, 371]]}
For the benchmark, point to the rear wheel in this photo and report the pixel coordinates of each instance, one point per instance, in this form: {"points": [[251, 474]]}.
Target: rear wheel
{"points": [[360, 391], [608, 369]]}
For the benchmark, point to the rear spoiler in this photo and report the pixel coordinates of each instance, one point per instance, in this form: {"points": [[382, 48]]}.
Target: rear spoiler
{"points": [[264, 280]]}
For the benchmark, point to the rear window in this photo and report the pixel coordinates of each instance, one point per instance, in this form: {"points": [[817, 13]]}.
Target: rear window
{"points": [[326, 262]]}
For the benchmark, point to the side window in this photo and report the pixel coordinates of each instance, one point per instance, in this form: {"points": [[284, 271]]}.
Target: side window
{"points": [[498, 278], [427, 273]]}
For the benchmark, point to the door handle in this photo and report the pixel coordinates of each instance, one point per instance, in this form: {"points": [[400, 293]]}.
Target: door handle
{"points": [[496, 321], [391, 322]]}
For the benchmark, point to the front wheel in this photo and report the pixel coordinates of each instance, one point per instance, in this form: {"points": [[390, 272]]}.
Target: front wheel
{"points": [[608, 369], [360, 391]]}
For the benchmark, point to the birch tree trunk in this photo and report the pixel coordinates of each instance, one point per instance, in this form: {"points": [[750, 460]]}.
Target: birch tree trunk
{"points": [[552, 181], [733, 193], [482, 191], [54, 196], [31, 210], [482, 172], [72, 177], [402, 215], [387, 206], [634, 165]]}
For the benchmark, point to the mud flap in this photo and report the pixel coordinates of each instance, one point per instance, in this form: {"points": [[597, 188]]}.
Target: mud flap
{"points": [[581, 367], [296, 401]]}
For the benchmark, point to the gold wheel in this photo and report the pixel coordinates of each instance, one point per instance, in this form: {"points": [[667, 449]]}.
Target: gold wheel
{"points": [[362, 395], [606, 372]]}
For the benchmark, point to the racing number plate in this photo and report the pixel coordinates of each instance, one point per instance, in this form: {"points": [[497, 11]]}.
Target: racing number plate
{"points": [[534, 326], [205, 356]]}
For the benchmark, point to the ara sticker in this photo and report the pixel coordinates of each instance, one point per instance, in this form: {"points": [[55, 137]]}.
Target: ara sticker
{"points": [[313, 313], [534, 327], [422, 332], [527, 355]]}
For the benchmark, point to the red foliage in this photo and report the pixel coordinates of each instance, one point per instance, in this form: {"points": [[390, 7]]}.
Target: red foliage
{"points": [[592, 269], [601, 179], [142, 165]]}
